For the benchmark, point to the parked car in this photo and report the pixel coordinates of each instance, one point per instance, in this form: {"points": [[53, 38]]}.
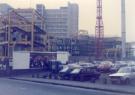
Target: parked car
{"points": [[84, 64], [124, 75], [117, 66], [85, 74], [65, 72], [105, 66]]}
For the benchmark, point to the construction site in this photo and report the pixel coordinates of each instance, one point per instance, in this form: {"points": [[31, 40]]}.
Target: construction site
{"points": [[27, 29], [18, 33], [44, 51]]}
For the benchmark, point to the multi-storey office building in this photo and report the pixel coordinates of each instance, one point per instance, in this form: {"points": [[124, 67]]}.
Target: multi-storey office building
{"points": [[112, 48], [62, 22], [5, 8], [32, 15], [76, 47], [82, 47]]}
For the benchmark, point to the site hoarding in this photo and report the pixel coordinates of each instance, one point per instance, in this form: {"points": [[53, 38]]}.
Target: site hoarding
{"points": [[36, 60], [21, 60]]}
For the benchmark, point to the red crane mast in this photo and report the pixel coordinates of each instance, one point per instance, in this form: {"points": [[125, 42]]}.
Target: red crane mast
{"points": [[99, 31]]}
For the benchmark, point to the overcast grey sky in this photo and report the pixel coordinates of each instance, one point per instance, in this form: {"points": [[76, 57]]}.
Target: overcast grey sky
{"points": [[87, 18]]}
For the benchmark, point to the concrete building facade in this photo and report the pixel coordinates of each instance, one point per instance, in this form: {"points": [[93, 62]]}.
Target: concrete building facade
{"points": [[62, 22], [83, 47], [5, 8]]}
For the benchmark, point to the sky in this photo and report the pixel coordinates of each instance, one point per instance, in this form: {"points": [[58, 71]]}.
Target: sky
{"points": [[87, 14]]}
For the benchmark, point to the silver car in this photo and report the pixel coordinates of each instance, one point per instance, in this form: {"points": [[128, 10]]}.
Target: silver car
{"points": [[124, 75]]}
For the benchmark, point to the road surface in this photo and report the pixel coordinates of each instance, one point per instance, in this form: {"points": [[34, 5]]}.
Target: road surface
{"points": [[17, 87]]}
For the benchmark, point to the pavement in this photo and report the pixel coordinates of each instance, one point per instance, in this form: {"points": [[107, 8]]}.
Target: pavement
{"points": [[19, 87], [121, 89]]}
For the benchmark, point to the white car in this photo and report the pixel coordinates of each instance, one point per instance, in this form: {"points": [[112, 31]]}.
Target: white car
{"points": [[124, 75]]}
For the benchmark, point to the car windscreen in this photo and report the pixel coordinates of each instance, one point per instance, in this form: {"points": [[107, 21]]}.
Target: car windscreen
{"points": [[124, 70], [64, 69], [76, 71]]}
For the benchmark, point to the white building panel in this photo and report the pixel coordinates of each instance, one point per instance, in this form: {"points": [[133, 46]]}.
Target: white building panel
{"points": [[21, 60]]}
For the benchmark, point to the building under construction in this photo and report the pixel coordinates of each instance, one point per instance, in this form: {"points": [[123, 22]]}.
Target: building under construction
{"points": [[20, 32]]}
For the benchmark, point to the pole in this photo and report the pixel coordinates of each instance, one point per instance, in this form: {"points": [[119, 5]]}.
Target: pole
{"points": [[123, 29]]}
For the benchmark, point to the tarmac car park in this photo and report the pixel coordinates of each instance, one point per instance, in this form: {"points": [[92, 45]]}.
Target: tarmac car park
{"points": [[92, 73]]}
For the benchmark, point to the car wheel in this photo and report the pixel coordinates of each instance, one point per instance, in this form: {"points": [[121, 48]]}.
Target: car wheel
{"points": [[121, 82], [127, 81]]}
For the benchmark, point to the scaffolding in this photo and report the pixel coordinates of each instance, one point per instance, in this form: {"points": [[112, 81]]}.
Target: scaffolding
{"points": [[22, 33]]}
